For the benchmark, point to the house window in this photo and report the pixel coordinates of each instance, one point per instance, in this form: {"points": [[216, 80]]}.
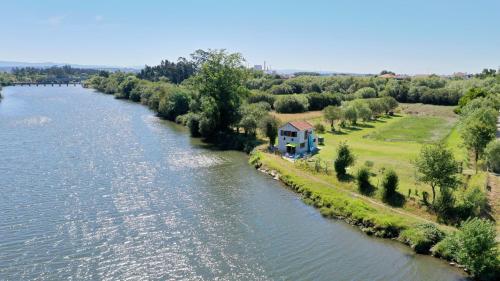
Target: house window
{"points": [[302, 145], [294, 134]]}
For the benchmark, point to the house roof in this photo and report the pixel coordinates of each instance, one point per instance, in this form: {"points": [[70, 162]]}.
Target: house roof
{"points": [[301, 125]]}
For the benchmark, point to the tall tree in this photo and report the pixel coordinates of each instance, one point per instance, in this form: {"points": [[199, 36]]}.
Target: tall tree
{"points": [[478, 128], [220, 82]]}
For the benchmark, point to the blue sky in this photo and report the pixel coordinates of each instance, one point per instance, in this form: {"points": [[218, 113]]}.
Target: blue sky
{"points": [[347, 36]]}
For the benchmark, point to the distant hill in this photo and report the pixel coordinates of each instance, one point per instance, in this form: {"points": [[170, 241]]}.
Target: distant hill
{"points": [[7, 66]]}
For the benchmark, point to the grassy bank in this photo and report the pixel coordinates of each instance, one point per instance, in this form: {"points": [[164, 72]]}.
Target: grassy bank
{"points": [[372, 217]]}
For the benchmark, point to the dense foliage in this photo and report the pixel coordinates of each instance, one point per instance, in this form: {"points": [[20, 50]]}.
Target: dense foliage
{"points": [[473, 246], [54, 74], [431, 89]]}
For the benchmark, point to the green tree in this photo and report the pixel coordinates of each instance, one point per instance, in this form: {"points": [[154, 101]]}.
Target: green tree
{"points": [[332, 113], [478, 129], [492, 153], [269, 125], [437, 167], [251, 114], [291, 104], [344, 159], [366, 93], [363, 111], [351, 114], [390, 184], [220, 82], [174, 104]]}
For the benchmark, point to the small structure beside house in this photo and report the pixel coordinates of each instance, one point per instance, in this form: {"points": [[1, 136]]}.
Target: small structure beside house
{"points": [[297, 138]]}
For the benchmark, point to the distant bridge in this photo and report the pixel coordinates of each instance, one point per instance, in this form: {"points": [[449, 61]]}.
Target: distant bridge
{"points": [[29, 84]]}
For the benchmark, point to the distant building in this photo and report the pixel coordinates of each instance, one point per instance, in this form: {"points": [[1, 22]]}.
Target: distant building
{"points": [[258, 67], [387, 75], [296, 138]]}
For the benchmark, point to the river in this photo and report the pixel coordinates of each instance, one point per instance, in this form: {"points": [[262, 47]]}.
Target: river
{"points": [[94, 188]]}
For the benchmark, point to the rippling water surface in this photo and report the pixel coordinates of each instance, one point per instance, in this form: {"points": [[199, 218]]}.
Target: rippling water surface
{"points": [[93, 188]]}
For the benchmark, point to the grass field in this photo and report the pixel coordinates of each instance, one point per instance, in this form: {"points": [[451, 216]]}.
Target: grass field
{"points": [[391, 143]]}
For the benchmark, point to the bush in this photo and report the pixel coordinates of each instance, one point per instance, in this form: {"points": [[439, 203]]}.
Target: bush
{"points": [[182, 119], [390, 184], [261, 97], [477, 248], [447, 247], [291, 104], [473, 201], [319, 128], [318, 101], [492, 153], [344, 159], [421, 237], [173, 105], [283, 89], [363, 180], [366, 93], [193, 122]]}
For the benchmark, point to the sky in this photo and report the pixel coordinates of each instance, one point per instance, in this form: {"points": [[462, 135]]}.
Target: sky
{"points": [[412, 37]]}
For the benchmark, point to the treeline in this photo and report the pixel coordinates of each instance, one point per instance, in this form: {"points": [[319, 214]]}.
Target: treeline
{"points": [[54, 74], [213, 102], [430, 90], [174, 72]]}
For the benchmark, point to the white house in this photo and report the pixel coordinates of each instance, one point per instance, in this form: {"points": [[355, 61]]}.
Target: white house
{"points": [[297, 137]]}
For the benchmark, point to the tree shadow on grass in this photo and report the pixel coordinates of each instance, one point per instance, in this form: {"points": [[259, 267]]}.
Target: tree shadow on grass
{"points": [[396, 200], [367, 190], [365, 125], [345, 178], [337, 132]]}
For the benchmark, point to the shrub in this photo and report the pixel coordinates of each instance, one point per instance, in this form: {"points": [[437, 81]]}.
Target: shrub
{"points": [[344, 159], [363, 180], [173, 105], [473, 201], [319, 128], [193, 122], [318, 101], [269, 125], [283, 89], [477, 248], [447, 247], [421, 237], [390, 184], [182, 119], [492, 153], [261, 97], [366, 92], [291, 104]]}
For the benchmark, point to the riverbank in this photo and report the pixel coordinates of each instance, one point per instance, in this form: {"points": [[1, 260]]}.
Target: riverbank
{"points": [[143, 200], [372, 217]]}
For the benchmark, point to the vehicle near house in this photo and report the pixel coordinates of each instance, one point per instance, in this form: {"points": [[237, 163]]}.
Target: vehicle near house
{"points": [[297, 138]]}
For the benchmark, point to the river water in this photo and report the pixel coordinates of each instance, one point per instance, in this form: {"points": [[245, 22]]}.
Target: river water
{"points": [[93, 188]]}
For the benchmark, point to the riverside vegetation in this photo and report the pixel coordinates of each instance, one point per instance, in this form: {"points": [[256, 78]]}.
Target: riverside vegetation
{"points": [[383, 162]]}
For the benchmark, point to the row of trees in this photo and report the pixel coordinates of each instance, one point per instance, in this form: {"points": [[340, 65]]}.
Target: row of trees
{"points": [[432, 89], [54, 74], [364, 109], [212, 102]]}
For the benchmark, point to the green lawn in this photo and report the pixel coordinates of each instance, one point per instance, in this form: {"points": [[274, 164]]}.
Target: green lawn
{"points": [[393, 143], [421, 129]]}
